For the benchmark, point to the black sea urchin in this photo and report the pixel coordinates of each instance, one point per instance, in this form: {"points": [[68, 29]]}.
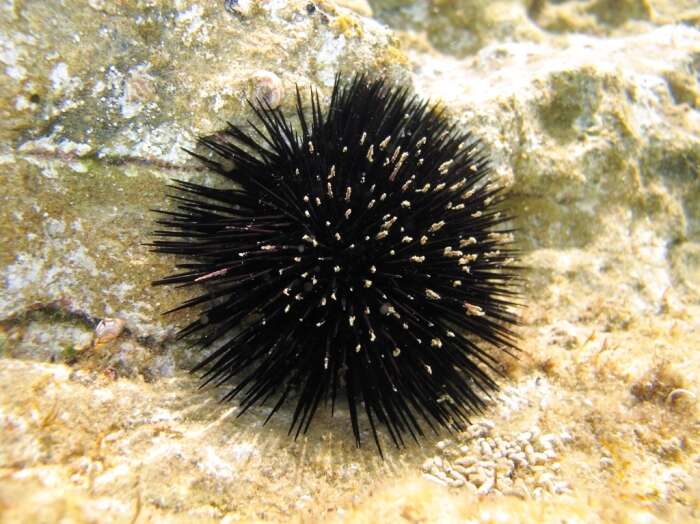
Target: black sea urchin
{"points": [[364, 252]]}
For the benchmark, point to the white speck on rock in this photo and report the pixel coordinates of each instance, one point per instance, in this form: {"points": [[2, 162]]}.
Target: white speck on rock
{"points": [[60, 79], [328, 57], [196, 29]]}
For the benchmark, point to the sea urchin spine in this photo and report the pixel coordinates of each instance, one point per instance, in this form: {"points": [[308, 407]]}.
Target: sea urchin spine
{"points": [[362, 251]]}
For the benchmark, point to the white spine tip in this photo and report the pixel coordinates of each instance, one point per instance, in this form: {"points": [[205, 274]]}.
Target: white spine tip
{"points": [[437, 226], [473, 310], [432, 295]]}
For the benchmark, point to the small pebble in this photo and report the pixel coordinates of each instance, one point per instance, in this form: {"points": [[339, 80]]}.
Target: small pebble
{"points": [[456, 475], [431, 478], [560, 487], [471, 488], [524, 438], [550, 441], [538, 458], [519, 459], [486, 487], [505, 483], [465, 461], [478, 478], [548, 486], [545, 478], [465, 471], [485, 462], [514, 493]]}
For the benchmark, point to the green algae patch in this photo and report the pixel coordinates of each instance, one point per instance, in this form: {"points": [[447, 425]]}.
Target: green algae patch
{"points": [[348, 26], [684, 88], [617, 12], [574, 95]]}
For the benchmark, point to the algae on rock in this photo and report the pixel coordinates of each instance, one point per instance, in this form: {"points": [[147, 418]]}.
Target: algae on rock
{"points": [[592, 117]]}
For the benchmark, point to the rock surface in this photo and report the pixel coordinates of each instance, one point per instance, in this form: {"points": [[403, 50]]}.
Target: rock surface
{"points": [[592, 112]]}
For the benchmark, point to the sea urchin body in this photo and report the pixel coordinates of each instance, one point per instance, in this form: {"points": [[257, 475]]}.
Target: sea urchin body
{"points": [[362, 252]]}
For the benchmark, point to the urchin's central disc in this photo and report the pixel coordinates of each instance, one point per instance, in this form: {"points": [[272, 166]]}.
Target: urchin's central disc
{"points": [[366, 253]]}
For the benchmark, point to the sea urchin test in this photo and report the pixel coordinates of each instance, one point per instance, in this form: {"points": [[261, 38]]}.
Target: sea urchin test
{"points": [[357, 253]]}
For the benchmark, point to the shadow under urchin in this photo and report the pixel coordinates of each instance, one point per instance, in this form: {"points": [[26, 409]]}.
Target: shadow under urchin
{"points": [[358, 251]]}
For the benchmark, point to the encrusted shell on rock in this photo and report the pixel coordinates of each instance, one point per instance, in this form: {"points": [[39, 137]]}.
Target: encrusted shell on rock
{"points": [[267, 89], [108, 330]]}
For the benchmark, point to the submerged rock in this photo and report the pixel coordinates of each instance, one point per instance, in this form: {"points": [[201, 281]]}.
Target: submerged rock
{"points": [[591, 112]]}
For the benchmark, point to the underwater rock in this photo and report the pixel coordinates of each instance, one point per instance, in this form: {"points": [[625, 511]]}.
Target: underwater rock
{"points": [[590, 115], [88, 144]]}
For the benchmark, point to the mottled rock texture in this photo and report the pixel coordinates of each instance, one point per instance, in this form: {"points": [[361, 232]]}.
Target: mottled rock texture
{"points": [[97, 101], [592, 112]]}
